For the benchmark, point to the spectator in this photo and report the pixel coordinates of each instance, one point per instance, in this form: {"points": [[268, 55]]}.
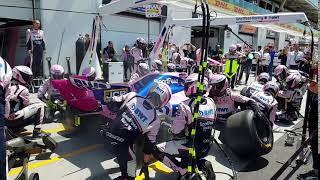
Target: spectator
{"points": [[304, 64], [272, 54], [283, 56], [128, 62], [109, 52], [246, 65], [210, 52], [217, 54], [265, 61], [189, 51], [165, 54], [294, 57], [36, 48]]}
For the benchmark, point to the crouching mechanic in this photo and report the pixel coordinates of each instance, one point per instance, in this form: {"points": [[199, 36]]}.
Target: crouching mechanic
{"points": [[257, 85], [142, 70], [19, 111], [181, 127], [137, 116], [157, 66], [266, 100], [57, 72], [227, 102], [292, 97]]}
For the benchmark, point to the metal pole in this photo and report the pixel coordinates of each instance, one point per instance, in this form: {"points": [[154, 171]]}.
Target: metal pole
{"points": [[33, 9], [148, 42]]}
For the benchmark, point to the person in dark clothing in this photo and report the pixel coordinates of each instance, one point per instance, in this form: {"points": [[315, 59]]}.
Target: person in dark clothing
{"points": [[217, 53], [283, 56], [246, 66], [304, 64], [109, 51], [313, 125], [36, 48], [128, 61]]}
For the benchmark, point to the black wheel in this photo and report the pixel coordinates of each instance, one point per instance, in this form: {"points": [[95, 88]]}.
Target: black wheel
{"points": [[34, 176], [248, 136], [209, 172], [243, 91], [49, 142]]}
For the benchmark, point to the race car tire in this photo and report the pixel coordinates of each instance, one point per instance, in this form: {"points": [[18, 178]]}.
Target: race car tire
{"points": [[248, 136], [243, 91], [34, 176]]}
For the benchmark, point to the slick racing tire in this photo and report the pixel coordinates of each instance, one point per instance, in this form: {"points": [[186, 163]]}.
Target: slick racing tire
{"points": [[34, 176], [248, 136], [243, 91]]}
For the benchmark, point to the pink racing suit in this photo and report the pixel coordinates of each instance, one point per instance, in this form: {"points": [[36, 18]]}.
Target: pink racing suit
{"points": [[46, 88], [137, 55], [136, 117], [267, 104], [292, 96], [227, 104], [18, 103]]}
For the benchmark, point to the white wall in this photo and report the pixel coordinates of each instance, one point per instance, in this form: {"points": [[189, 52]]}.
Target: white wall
{"points": [[282, 40], [16, 13], [54, 23], [229, 38], [125, 30], [181, 35]]}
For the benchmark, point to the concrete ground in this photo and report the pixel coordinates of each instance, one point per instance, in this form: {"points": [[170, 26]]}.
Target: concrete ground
{"points": [[86, 156]]}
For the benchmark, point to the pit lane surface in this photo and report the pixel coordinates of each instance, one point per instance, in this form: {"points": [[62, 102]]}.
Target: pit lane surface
{"points": [[85, 156]]}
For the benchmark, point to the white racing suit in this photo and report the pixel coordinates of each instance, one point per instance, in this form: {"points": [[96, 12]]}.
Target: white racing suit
{"points": [[292, 101], [18, 103], [182, 124], [136, 118], [267, 104], [252, 88]]}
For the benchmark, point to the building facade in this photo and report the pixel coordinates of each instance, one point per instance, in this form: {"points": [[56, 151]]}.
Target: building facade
{"points": [[64, 21]]}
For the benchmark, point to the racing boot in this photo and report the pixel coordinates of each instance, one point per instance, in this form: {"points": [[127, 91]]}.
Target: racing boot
{"points": [[37, 133], [209, 172]]}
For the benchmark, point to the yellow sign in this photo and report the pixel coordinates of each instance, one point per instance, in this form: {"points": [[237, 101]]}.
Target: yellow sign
{"points": [[234, 68], [114, 92]]}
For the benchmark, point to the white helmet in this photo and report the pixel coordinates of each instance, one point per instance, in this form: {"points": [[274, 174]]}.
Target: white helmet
{"points": [[57, 71], [143, 69], [5, 73], [89, 73], [22, 74], [157, 65], [263, 78], [159, 94], [271, 87]]}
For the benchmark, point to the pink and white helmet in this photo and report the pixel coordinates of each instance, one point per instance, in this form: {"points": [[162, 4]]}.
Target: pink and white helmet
{"points": [[281, 71], [57, 71], [263, 78], [239, 45], [293, 80], [157, 65], [271, 87], [219, 84], [141, 40], [171, 67], [89, 73], [232, 48], [143, 69], [159, 94], [22, 74], [190, 84], [5, 73]]}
